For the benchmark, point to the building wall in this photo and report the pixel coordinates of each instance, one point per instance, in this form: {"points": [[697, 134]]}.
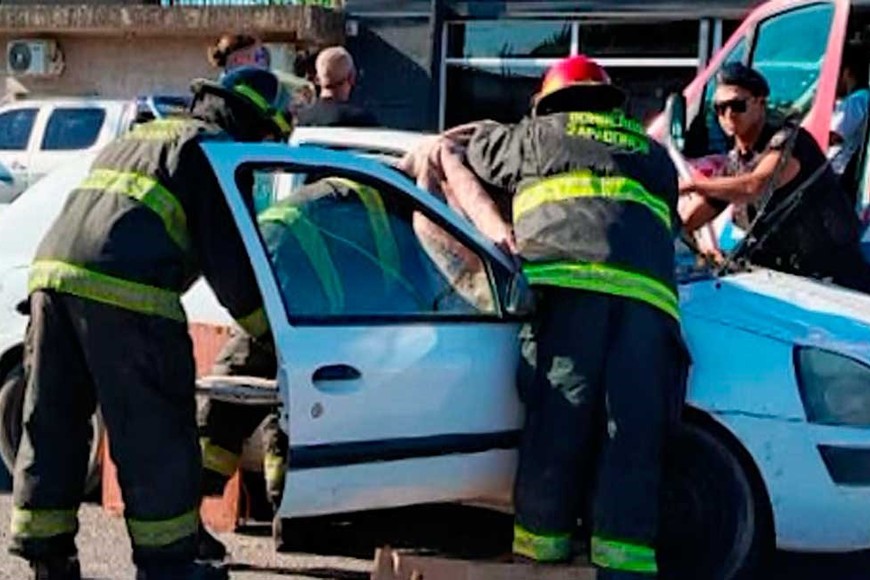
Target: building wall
{"points": [[392, 55], [118, 67]]}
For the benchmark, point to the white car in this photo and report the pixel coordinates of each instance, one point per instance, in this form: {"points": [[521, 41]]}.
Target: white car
{"points": [[406, 407], [39, 135]]}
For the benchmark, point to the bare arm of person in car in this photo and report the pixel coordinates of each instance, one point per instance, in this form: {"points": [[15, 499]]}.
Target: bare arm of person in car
{"points": [[747, 187]]}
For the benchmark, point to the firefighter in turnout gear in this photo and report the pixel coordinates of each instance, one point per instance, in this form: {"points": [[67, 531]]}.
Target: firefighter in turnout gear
{"points": [[107, 327], [594, 212]]}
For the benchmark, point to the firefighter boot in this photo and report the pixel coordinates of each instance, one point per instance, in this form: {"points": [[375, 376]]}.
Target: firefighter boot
{"points": [[209, 548], [60, 569]]}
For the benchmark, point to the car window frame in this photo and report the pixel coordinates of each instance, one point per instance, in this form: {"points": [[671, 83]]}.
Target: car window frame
{"points": [[68, 109], [35, 110], [498, 275]]}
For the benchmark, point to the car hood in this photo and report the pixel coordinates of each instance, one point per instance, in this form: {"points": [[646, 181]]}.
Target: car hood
{"points": [[785, 307]]}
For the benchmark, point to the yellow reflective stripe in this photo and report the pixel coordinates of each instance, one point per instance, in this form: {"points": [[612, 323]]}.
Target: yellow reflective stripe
{"points": [[385, 243], [256, 324], [263, 105], [159, 129], [584, 183], [218, 459], [623, 556], [310, 239], [35, 524], [159, 533], [541, 547], [148, 191], [79, 281], [607, 279], [273, 468]]}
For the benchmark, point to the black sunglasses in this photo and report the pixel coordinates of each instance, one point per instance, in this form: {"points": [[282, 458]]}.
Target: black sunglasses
{"points": [[736, 105]]}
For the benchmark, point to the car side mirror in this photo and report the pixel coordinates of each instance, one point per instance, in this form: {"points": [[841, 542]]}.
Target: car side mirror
{"points": [[675, 116], [520, 299]]}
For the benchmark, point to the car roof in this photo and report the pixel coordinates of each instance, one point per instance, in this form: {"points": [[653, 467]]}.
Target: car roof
{"points": [[367, 141]]}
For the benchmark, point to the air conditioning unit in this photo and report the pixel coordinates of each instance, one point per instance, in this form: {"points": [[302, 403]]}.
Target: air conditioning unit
{"points": [[34, 58]]}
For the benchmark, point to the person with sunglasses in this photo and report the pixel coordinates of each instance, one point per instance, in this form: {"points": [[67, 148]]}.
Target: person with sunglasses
{"points": [[784, 192]]}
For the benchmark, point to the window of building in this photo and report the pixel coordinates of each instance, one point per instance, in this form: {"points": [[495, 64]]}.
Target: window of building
{"points": [[508, 38], [499, 92], [73, 128], [641, 39], [493, 68], [15, 129]]}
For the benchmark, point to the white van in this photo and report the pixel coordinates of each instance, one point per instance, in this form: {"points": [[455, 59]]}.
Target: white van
{"points": [[37, 135]]}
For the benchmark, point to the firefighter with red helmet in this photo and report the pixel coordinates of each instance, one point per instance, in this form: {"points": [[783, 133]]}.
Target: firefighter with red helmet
{"points": [[603, 371]]}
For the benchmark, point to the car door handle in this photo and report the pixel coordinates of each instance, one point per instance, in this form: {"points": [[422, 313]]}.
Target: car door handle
{"points": [[17, 166], [337, 379], [336, 373]]}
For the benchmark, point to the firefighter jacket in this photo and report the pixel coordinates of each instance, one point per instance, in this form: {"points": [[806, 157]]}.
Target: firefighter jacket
{"points": [[332, 235], [593, 202], [147, 221]]}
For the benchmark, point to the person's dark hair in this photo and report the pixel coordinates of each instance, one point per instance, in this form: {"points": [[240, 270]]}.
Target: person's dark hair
{"points": [[737, 74], [856, 60], [226, 45]]}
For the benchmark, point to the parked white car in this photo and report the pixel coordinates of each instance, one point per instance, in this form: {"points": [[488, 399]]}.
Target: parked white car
{"points": [[38, 135], [405, 407]]}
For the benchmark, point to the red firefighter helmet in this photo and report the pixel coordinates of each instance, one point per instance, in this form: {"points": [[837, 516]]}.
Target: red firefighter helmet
{"points": [[577, 83]]}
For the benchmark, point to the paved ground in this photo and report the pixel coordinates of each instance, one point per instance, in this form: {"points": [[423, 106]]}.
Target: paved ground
{"points": [[343, 549]]}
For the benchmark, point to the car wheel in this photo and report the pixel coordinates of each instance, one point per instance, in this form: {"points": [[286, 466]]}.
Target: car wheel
{"points": [[11, 408], [715, 523]]}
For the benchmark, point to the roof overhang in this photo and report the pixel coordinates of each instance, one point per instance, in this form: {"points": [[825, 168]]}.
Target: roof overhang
{"points": [[303, 24]]}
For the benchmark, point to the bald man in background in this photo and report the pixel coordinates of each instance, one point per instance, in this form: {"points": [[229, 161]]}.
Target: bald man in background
{"points": [[336, 76]]}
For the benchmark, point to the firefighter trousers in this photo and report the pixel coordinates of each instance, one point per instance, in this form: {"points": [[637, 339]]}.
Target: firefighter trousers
{"points": [[602, 379], [139, 369], [224, 427]]}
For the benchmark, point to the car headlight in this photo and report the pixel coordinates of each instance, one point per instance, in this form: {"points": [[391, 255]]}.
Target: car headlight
{"points": [[835, 388]]}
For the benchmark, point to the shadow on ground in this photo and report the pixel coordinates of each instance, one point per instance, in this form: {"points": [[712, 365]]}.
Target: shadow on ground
{"points": [[479, 534], [445, 530]]}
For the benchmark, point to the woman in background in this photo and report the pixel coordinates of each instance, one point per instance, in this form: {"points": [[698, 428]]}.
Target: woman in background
{"points": [[234, 50]]}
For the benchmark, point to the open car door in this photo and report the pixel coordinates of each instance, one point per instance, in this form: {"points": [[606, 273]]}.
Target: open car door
{"points": [[802, 78], [389, 398]]}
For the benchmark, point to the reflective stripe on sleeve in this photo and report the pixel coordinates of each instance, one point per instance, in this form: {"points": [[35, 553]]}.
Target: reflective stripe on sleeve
{"points": [[150, 193], [385, 243], [310, 239]]}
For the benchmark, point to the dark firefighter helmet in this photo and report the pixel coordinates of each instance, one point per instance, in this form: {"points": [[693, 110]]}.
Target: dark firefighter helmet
{"points": [[255, 88], [577, 83]]}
